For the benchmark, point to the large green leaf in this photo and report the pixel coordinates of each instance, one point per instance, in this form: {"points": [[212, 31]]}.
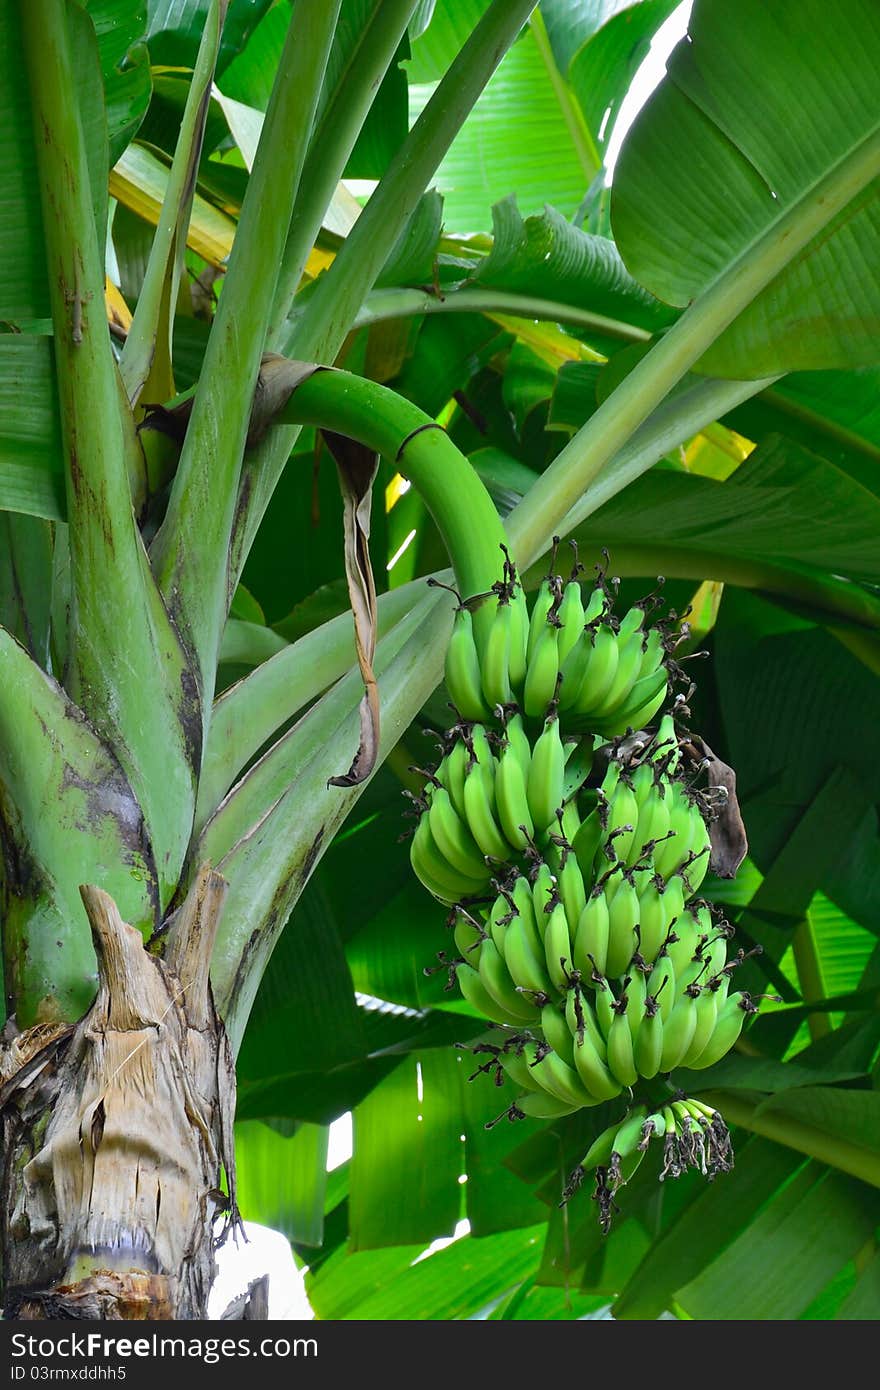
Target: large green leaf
{"points": [[752, 96], [778, 1265], [546, 257], [282, 1180], [31, 465], [603, 66], [408, 1156], [706, 1226], [434, 49], [175, 28], [120, 27], [484, 163]]}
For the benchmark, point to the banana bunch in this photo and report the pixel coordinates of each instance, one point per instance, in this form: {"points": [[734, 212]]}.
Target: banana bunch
{"points": [[570, 853], [481, 809], [607, 674], [694, 1136]]}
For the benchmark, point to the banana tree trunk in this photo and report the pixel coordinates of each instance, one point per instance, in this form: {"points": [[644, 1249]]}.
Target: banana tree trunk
{"points": [[117, 1132]]}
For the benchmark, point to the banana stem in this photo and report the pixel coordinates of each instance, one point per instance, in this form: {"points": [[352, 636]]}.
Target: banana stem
{"points": [[797, 1134], [405, 303], [422, 451]]}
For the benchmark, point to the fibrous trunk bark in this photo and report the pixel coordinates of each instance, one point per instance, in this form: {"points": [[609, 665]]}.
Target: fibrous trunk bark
{"points": [[117, 1132]]}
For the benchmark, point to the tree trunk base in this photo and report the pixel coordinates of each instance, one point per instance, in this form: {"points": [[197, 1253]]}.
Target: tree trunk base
{"points": [[117, 1133]]}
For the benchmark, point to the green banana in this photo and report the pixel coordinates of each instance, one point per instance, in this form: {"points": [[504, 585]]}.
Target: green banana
{"points": [[548, 594], [590, 946], [581, 1020], [539, 687], [557, 1077], [626, 673], [543, 896], [547, 774], [586, 842], [479, 805], [600, 670], [495, 655], [519, 638], [706, 1016], [629, 1132], [511, 800], [570, 885], [728, 1026], [542, 1106], [452, 837], [557, 948], [648, 1046], [467, 933], [462, 669], [571, 618], [476, 994], [623, 916], [556, 1032], [451, 773], [619, 1042], [435, 872], [525, 966], [496, 979], [678, 1030]]}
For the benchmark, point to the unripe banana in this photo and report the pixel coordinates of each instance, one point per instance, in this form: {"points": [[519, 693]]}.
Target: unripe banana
{"points": [[648, 1046], [623, 813], [498, 920], [512, 802], [653, 923], [662, 985], [599, 673], [543, 896], [706, 1016], [728, 1027], [604, 1004], [629, 1132], [435, 872], [678, 1031], [462, 669], [496, 978], [629, 660], [556, 1076], [593, 1070], [590, 945], [556, 1032], [467, 935], [557, 948], [452, 837], [513, 1062], [539, 687], [519, 638], [542, 1106], [621, 1061], [571, 617], [652, 823], [479, 805], [623, 915], [548, 594], [644, 700], [452, 772], [581, 1021], [495, 656], [476, 994], [545, 785], [570, 884], [600, 1150], [525, 966]]}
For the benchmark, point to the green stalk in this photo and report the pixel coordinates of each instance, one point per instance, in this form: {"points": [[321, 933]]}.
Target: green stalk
{"points": [[338, 295], [126, 668], [332, 143], [158, 295], [809, 973], [539, 515], [246, 715], [579, 131], [422, 451], [189, 548], [406, 303], [798, 1135]]}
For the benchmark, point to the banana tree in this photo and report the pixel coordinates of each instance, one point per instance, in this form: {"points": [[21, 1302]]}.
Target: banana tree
{"points": [[179, 775]]}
